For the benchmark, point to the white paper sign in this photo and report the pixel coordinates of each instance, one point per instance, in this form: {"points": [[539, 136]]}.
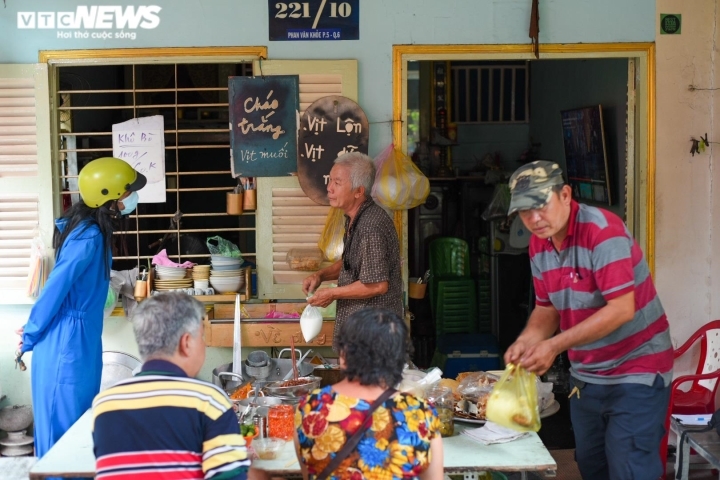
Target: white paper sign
{"points": [[141, 143]]}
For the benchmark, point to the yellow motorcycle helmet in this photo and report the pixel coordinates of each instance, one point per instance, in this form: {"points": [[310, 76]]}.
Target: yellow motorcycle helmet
{"points": [[106, 179]]}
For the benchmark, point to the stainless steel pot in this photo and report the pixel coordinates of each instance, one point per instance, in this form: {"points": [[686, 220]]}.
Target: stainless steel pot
{"points": [[278, 368], [261, 402], [117, 366]]}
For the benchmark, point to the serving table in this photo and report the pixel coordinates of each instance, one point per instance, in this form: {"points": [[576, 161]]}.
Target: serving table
{"points": [[72, 455], [705, 444]]}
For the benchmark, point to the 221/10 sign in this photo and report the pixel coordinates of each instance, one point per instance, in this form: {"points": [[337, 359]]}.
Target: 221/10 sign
{"points": [[314, 20], [300, 10]]}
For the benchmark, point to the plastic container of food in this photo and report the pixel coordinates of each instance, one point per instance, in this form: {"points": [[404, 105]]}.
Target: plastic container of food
{"points": [[442, 399], [304, 259], [281, 421], [268, 448]]}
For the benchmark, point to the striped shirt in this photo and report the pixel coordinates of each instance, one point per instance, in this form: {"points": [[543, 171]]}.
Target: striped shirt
{"points": [[163, 425], [599, 260]]}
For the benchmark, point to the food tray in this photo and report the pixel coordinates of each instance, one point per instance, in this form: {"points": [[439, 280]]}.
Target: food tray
{"points": [[552, 409], [276, 390]]}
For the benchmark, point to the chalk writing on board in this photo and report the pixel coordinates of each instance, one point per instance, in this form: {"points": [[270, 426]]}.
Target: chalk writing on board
{"points": [[250, 106], [331, 126], [263, 125], [141, 143]]}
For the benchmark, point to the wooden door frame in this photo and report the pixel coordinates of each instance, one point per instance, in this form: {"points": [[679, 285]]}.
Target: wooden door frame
{"points": [[644, 126]]}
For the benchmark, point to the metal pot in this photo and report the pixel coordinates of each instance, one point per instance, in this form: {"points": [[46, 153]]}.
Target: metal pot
{"points": [[260, 406], [117, 366], [278, 368], [261, 402], [16, 418]]}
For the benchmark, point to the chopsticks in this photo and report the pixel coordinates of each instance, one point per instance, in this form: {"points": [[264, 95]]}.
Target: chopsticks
{"points": [[292, 357]]}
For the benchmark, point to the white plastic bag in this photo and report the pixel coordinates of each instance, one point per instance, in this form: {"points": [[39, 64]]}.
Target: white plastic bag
{"points": [[310, 322]]}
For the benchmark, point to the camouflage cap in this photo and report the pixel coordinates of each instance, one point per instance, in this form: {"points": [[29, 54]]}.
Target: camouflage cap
{"points": [[531, 185]]}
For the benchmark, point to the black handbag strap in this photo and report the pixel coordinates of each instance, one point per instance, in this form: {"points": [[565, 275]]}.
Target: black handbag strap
{"points": [[355, 439]]}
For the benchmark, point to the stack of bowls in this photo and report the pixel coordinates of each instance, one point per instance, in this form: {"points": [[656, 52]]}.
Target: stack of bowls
{"points": [[226, 276], [171, 278], [201, 276]]}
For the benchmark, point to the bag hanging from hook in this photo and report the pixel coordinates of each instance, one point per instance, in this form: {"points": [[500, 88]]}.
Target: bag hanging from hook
{"points": [[39, 265]]}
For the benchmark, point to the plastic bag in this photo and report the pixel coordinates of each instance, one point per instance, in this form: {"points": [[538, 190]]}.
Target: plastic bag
{"points": [[418, 382], [476, 383], [110, 302], [310, 323], [474, 391], [331, 239], [38, 273], [223, 248], [399, 183], [513, 402], [500, 203]]}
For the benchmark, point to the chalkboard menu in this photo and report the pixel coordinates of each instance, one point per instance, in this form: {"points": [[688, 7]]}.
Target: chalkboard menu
{"points": [[330, 127], [586, 160], [263, 125]]}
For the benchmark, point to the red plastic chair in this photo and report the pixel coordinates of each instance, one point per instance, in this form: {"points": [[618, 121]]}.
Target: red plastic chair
{"points": [[700, 398]]}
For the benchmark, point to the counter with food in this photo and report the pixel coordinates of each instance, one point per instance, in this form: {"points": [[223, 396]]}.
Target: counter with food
{"points": [[263, 325]]}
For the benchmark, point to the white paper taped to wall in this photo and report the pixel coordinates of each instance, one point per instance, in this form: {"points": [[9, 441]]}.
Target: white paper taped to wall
{"points": [[141, 143]]}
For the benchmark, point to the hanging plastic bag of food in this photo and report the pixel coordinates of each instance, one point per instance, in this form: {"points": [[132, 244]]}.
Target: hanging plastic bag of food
{"points": [[331, 239], [513, 402], [310, 322], [399, 183], [498, 208]]}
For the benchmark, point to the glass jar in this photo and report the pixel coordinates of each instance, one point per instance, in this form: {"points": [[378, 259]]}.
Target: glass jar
{"points": [[442, 399], [281, 421]]}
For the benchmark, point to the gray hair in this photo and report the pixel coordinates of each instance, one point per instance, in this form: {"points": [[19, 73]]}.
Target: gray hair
{"points": [[160, 321], [362, 170]]}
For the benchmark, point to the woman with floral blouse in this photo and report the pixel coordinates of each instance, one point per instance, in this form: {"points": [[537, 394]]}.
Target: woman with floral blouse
{"points": [[403, 439]]}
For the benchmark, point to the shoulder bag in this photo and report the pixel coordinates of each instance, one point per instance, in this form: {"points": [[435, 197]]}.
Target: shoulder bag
{"points": [[355, 439]]}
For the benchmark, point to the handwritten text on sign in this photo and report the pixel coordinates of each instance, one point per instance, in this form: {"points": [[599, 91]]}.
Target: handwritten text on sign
{"points": [[141, 143], [263, 123], [330, 127]]}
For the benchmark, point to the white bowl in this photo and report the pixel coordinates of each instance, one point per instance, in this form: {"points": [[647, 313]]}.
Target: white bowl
{"points": [[226, 266], [221, 258], [234, 266], [226, 273], [163, 268], [222, 285], [165, 276]]}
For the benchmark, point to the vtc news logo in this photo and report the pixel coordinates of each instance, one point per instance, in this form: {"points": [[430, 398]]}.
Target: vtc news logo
{"points": [[93, 17]]}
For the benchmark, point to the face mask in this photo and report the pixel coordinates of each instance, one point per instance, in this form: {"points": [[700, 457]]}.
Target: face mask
{"points": [[130, 203]]}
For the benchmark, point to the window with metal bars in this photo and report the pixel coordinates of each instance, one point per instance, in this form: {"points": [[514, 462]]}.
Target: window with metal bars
{"points": [[490, 92], [193, 100]]}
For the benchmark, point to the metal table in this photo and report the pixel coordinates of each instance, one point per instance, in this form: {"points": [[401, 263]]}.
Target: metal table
{"points": [[72, 455], [705, 444], [462, 455]]}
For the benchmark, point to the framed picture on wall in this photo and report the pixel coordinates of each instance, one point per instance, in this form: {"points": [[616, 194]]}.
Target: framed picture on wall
{"points": [[586, 163]]}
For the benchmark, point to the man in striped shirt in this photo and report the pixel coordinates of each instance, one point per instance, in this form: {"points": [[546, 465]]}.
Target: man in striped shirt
{"points": [[162, 423], [593, 284]]}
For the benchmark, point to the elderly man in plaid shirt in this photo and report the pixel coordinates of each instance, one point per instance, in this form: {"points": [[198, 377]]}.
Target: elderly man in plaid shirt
{"points": [[368, 273]]}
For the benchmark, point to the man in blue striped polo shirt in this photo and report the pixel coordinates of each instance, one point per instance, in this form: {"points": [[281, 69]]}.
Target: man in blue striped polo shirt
{"points": [[593, 286], [162, 423]]}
